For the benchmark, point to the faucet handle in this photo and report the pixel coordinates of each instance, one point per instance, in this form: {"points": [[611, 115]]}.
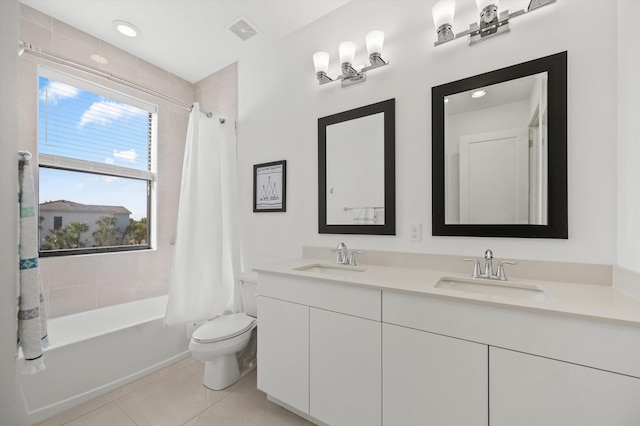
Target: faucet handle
{"points": [[500, 275], [352, 257], [476, 268]]}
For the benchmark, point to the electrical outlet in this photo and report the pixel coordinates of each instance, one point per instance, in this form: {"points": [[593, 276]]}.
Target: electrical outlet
{"points": [[415, 232]]}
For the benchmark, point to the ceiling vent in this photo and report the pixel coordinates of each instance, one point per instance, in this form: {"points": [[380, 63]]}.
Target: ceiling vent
{"points": [[242, 28]]}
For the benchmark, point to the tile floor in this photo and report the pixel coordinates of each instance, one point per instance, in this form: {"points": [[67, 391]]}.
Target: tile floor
{"points": [[175, 396]]}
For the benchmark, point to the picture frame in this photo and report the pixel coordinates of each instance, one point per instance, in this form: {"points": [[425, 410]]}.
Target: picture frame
{"points": [[270, 187]]}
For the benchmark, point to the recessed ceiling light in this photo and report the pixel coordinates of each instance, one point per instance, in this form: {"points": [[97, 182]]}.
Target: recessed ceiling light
{"points": [[99, 59], [126, 28], [478, 94]]}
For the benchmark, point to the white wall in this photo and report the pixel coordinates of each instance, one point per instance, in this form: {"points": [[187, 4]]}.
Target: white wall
{"points": [[628, 137], [628, 207], [280, 102], [8, 185]]}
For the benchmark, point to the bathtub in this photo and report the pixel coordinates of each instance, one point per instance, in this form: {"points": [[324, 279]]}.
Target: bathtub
{"points": [[94, 352]]}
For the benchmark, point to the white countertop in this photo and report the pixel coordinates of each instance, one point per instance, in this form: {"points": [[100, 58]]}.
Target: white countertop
{"points": [[595, 301]]}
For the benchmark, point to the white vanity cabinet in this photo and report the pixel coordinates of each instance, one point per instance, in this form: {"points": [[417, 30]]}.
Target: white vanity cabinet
{"points": [[283, 350], [358, 352], [429, 379], [345, 369], [319, 348], [527, 390]]}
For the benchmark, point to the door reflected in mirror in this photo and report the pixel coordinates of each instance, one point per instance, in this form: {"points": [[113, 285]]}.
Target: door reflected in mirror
{"points": [[496, 152]]}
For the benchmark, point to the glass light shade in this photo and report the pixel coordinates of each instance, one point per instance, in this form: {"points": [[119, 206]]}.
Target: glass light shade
{"points": [[443, 12], [321, 61], [481, 4], [374, 40], [347, 51]]}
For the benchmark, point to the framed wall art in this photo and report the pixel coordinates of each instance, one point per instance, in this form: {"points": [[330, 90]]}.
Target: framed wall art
{"points": [[270, 187]]}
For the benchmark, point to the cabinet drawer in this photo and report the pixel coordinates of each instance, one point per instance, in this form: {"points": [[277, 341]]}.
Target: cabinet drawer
{"points": [[527, 390], [607, 345], [332, 296]]}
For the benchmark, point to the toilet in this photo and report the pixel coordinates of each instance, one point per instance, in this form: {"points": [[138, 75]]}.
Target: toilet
{"points": [[219, 342]]}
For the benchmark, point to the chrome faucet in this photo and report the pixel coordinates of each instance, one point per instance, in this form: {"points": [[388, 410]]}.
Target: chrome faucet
{"points": [[343, 254], [345, 257], [488, 264], [488, 267]]}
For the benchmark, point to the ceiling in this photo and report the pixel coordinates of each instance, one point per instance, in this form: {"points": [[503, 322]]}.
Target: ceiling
{"points": [[188, 38], [499, 94]]}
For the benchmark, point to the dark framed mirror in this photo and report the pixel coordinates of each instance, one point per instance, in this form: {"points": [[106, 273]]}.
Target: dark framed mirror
{"points": [[499, 152], [356, 171]]}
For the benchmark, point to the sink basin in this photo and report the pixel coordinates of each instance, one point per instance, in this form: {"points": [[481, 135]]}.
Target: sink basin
{"points": [[494, 288], [339, 270]]}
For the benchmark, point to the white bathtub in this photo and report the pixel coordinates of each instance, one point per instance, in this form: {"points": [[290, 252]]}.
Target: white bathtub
{"points": [[94, 352]]}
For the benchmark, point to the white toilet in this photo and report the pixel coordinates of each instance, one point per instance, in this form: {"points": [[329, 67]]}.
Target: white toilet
{"points": [[218, 342]]}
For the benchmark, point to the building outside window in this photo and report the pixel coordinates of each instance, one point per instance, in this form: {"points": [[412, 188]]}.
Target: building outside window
{"points": [[96, 179]]}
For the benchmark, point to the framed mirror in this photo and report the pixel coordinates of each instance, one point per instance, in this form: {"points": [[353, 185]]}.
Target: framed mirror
{"points": [[499, 152], [356, 171]]}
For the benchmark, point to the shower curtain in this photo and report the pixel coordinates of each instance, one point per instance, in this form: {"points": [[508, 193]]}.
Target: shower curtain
{"points": [[32, 320], [207, 249]]}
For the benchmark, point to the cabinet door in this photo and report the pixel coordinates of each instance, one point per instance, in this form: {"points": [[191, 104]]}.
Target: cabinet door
{"points": [[527, 390], [345, 367], [429, 379], [283, 351]]}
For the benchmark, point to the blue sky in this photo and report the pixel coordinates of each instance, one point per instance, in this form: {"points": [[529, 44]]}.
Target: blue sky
{"points": [[78, 124]]}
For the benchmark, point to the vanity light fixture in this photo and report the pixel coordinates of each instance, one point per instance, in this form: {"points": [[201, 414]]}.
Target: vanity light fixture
{"points": [[126, 28], [347, 51], [491, 21]]}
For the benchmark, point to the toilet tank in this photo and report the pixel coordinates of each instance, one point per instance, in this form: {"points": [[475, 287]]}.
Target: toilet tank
{"points": [[248, 290]]}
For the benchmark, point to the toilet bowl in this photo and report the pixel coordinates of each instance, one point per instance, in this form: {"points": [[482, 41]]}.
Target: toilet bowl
{"points": [[218, 342]]}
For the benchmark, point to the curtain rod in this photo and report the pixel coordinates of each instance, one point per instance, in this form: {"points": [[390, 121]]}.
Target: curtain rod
{"points": [[61, 60]]}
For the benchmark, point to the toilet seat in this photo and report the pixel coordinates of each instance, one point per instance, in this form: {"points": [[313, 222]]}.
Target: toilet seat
{"points": [[223, 328]]}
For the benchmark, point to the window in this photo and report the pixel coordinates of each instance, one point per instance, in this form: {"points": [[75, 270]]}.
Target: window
{"points": [[95, 152]]}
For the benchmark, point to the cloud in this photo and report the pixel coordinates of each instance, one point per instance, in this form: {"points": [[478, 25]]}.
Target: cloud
{"points": [[109, 178], [109, 160], [54, 91], [128, 155], [105, 112]]}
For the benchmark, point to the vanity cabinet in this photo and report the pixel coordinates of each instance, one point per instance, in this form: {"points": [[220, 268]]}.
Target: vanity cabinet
{"points": [[343, 354], [345, 369], [319, 349], [429, 379], [527, 390], [283, 350]]}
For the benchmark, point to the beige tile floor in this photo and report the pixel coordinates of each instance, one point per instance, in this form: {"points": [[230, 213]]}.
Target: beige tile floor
{"points": [[175, 396]]}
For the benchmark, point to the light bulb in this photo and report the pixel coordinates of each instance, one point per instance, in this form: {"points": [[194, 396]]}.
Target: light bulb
{"points": [[321, 61], [347, 51], [126, 28], [443, 12], [375, 40], [478, 94]]}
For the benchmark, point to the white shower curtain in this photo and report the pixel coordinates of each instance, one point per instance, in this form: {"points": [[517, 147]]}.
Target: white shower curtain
{"points": [[207, 249]]}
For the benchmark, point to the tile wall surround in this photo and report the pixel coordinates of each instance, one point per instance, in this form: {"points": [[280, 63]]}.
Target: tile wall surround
{"points": [[78, 283], [579, 273]]}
